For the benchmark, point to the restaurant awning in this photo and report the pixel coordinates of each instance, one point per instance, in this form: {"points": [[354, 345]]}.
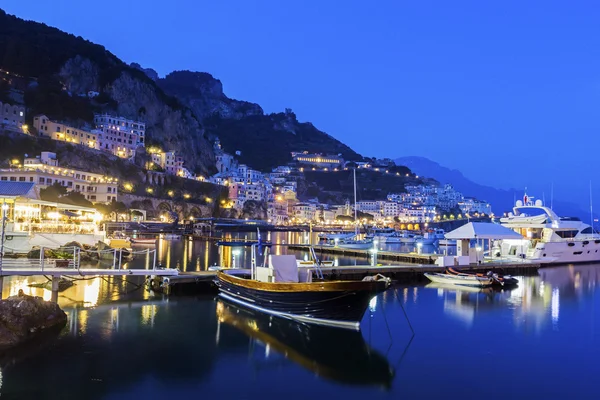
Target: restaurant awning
{"points": [[482, 230]]}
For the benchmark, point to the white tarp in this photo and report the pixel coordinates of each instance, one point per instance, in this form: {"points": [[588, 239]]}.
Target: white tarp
{"points": [[285, 268], [482, 230]]}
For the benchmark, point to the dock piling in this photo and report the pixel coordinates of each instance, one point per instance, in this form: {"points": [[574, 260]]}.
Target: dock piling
{"points": [[55, 282]]}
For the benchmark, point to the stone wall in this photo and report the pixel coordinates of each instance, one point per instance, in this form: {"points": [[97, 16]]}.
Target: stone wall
{"points": [[155, 207]]}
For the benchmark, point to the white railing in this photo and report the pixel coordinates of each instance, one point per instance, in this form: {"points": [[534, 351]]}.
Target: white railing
{"points": [[117, 258]]}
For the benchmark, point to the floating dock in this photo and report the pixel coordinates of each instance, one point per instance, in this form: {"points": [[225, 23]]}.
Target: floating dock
{"points": [[413, 258], [203, 280]]}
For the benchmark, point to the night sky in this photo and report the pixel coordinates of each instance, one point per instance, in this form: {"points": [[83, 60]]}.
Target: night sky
{"points": [[507, 92]]}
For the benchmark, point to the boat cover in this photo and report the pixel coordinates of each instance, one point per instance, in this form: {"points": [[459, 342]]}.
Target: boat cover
{"points": [[483, 230], [285, 268]]}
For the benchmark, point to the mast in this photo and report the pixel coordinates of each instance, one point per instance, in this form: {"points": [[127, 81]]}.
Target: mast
{"points": [[591, 208], [551, 195], [355, 211]]}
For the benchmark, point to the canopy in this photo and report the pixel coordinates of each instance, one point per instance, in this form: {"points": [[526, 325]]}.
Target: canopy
{"points": [[483, 230]]}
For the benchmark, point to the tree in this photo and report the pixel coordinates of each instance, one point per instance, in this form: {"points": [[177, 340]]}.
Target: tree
{"points": [[53, 192], [111, 209]]}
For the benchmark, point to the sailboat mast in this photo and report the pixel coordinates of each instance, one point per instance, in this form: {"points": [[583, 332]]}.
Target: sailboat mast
{"points": [[591, 208], [355, 210]]}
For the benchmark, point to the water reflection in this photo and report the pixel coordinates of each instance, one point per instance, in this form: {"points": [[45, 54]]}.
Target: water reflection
{"points": [[337, 354]]}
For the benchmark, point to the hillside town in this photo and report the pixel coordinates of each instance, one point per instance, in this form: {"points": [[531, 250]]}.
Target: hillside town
{"points": [[276, 190]]}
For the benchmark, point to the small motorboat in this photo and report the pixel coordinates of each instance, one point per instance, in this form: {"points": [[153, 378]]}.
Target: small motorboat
{"points": [[497, 279], [242, 243], [143, 241], [285, 290], [356, 244], [459, 279]]}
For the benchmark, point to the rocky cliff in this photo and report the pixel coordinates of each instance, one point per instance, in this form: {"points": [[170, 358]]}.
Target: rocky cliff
{"points": [[176, 109], [265, 141]]}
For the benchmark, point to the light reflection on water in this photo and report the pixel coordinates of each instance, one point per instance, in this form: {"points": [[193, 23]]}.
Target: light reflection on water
{"points": [[116, 333]]}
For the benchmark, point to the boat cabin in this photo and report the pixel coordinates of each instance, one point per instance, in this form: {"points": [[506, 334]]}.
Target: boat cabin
{"points": [[283, 269]]}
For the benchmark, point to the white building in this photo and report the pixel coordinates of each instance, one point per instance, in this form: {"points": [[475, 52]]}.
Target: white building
{"points": [[119, 135], [44, 171], [304, 211], [471, 205]]}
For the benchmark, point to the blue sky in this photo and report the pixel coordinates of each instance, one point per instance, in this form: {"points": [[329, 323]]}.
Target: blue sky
{"points": [[507, 92]]}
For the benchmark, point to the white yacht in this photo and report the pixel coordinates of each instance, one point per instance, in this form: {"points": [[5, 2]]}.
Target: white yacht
{"points": [[431, 237], [547, 238]]}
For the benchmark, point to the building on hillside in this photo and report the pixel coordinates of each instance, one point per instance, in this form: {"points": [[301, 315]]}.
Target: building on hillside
{"points": [[319, 160], [12, 116], [46, 158], [65, 133], [447, 197], [304, 211], [118, 135], [44, 171], [470, 205], [168, 161], [390, 209], [277, 211]]}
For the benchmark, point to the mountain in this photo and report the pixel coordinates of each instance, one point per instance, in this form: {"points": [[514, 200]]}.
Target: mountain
{"points": [[501, 200], [184, 111], [57, 67], [265, 140]]}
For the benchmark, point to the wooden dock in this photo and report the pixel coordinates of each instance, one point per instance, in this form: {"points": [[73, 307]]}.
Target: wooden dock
{"points": [[412, 258], [203, 280]]}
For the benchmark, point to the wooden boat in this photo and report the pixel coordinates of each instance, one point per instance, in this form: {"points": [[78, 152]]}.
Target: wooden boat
{"points": [[143, 241], [339, 355], [285, 290], [497, 279], [459, 279]]}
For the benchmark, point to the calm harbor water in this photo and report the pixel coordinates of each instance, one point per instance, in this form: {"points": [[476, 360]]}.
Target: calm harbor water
{"points": [[536, 341]]}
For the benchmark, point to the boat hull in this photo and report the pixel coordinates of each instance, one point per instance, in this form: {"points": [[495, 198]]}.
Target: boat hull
{"points": [[338, 303]]}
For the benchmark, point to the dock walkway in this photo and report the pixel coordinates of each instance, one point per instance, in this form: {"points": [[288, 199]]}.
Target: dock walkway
{"points": [[400, 273]]}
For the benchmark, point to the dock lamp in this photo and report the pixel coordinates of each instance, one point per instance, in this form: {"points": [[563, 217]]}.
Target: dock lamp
{"points": [[419, 247], [4, 211]]}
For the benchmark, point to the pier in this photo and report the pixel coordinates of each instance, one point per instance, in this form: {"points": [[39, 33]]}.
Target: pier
{"points": [[412, 258], [399, 273], [55, 268]]}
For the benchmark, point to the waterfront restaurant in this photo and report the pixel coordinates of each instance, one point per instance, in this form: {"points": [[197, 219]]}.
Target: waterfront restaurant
{"points": [[34, 222]]}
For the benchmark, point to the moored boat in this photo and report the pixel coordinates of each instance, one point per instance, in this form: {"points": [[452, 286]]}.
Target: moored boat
{"points": [[285, 290], [497, 279], [143, 241], [459, 279], [357, 244]]}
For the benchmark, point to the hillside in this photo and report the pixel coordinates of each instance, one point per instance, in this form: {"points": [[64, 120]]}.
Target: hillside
{"points": [[54, 67], [265, 141], [501, 200]]}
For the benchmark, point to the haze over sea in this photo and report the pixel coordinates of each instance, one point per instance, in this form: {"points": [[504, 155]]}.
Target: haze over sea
{"points": [[506, 92]]}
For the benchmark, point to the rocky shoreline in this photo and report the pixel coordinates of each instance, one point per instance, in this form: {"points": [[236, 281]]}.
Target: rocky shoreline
{"points": [[24, 317]]}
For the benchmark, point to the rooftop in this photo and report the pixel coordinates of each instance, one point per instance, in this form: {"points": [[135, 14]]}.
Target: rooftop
{"points": [[14, 189]]}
